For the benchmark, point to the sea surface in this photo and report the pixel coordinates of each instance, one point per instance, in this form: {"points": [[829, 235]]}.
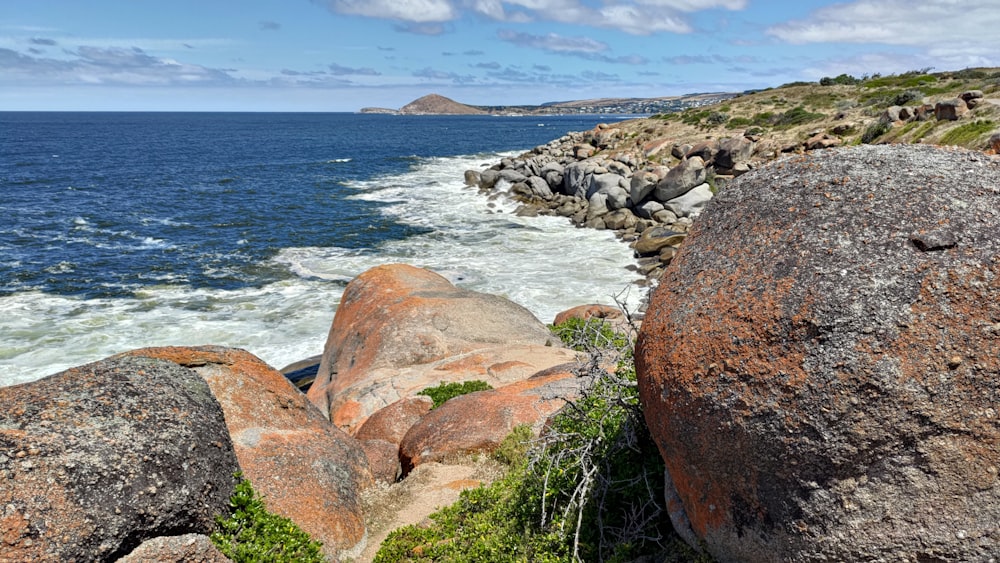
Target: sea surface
{"points": [[125, 230]]}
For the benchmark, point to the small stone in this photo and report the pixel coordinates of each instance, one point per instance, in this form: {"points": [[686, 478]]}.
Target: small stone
{"points": [[954, 362]]}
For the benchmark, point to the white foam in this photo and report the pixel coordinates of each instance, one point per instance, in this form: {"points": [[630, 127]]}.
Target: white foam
{"points": [[541, 263]]}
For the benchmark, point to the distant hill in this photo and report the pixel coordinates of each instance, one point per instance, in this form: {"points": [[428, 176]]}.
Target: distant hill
{"points": [[434, 104]]}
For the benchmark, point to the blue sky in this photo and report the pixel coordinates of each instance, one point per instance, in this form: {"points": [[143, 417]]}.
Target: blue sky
{"points": [[341, 55]]}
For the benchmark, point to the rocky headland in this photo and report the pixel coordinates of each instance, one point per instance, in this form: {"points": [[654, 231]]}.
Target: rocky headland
{"points": [[819, 363]]}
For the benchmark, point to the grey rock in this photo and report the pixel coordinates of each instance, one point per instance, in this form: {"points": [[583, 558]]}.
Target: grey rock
{"points": [[681, 179], [607, 183], [598, 205], [641, 185], [620, 219], [648, 210], [488, 179], [539, 187], [692, 203], [733, 151], [472, 178], [100, 458]]}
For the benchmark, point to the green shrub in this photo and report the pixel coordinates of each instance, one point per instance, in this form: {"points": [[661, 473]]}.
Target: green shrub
{"points": [[967, 135], [874, 131], [251, 534], [796, 116], [590, 489], [717, 118], [738, 122], [446, 391], [590, 334], [845, 79], [907, 96]]}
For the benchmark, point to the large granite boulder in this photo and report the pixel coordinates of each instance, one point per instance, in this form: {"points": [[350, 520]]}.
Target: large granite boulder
{"points": [[478, 422], [820, 365], [98, 459], [400, 329], [305, 468]]}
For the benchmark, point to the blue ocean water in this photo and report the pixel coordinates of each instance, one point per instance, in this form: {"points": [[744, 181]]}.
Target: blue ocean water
{"points": [[122, 230]]}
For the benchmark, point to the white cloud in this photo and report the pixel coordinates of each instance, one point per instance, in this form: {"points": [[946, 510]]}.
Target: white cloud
{"points": [[98, 65], [896, 22], [553, 42], [637, 17], [419, 11]]}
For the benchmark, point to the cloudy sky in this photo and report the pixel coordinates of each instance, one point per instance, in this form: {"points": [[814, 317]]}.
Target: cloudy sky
{"points": [[341, 55]]}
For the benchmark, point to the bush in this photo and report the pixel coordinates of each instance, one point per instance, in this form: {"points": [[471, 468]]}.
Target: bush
{"points": [[874, 131], [446, 391], [967, 135], [796, 116], [845, 79], [906, 97], [590, 489], [251, 534], [717, 118]]}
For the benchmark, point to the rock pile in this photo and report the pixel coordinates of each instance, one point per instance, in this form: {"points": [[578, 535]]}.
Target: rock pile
{"points": [[605, 179], [820, 366]]}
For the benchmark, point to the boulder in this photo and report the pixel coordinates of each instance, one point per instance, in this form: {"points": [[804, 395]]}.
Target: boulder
{"points": [[97, 459], [606, 183], [641, 185], [539, 187], [995, 142], [472, 178], [597, 206], [400, 329], [383, 459], [305, 468], [822, 141], [587, 312], [656, 146], [819, 364], [576, 178], [648, 210], [488, 179], [692, 203], [950, 110], [392, 423], [681, 179], [478, 422], [187, 548], [733, 151], [970, 95], [620, 219], [705, 150], [655, 238]]}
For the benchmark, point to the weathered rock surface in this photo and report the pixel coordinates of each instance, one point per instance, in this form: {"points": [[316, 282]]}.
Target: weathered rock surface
{"points": [[400, 329], [305, 468], [97, 459], [820, 366], [188, 548], [479, 421]]}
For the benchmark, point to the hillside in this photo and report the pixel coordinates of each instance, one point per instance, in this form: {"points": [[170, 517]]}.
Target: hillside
{"points": [[843, 110], [434, 104]]}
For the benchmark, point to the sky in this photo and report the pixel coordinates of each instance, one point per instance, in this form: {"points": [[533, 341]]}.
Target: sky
{"points": [[342, 55]]}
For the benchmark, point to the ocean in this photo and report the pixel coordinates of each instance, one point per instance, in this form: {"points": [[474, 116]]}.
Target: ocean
{"points": [[126, 230]]}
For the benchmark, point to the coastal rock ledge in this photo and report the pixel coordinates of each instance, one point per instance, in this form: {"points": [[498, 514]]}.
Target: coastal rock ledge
{"points": [[820, 365]]}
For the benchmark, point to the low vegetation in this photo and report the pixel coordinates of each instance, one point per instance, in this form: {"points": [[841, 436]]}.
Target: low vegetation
{"points": [[446, 391], [590, 489], [252, 534]]}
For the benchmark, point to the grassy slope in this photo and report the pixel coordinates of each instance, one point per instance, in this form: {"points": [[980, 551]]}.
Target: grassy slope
{"points": [[822, 108]]}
